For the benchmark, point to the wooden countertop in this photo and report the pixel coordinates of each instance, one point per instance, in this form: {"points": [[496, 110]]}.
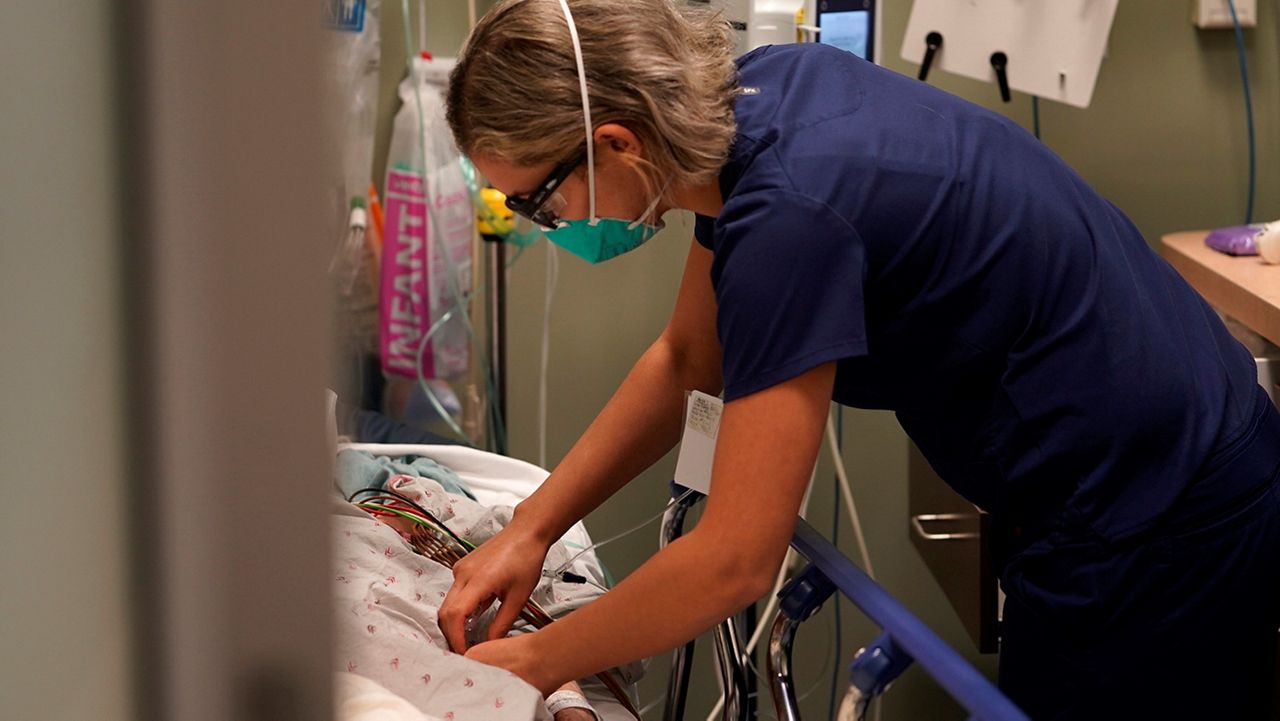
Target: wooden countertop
{"points": [[1243, 287]]}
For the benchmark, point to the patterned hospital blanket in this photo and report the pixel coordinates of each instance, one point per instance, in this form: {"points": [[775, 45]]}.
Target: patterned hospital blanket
{"points": [[385, 602]]}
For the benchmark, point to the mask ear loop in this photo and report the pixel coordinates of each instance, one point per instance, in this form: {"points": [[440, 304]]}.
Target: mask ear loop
{"points": [[652, 207], [586, 111]]}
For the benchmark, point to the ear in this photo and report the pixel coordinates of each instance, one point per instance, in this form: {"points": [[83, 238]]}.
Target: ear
{"points": [[618, 138]]}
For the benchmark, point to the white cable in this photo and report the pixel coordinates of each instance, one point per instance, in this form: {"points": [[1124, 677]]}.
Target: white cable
{"points": [[595, 546], [652, 705], [422, 25], [553, 278], [772, 606], [471, 13], [586, 110], [846, 494]]}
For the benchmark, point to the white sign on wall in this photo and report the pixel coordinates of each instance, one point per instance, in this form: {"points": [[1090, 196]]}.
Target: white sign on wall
{"points": [[1053, 48]]}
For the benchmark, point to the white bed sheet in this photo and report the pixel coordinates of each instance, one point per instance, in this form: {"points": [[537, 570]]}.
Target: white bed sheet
{"points": [[495, 480]]}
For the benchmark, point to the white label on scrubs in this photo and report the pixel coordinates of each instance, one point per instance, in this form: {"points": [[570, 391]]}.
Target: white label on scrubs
{"points": [[704, 414], [698, 444]]}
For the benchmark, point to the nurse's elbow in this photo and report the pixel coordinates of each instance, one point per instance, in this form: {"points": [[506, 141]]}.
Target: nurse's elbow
{"points": [[758, 585], [696, 366], [744, 578]]}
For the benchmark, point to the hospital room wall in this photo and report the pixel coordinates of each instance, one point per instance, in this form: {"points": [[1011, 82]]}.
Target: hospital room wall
{"points": [[64, 618], [1163, 139]]}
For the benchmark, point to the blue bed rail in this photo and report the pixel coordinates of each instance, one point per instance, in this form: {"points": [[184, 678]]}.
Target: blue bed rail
{"points": [[905, 639]]}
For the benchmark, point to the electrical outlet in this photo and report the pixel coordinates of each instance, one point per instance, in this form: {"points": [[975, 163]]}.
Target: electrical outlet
{"points": [[1215, 14]]}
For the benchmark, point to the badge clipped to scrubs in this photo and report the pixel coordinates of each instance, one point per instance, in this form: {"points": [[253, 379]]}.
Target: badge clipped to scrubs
{"points": [[596, 239], [698, 444]]}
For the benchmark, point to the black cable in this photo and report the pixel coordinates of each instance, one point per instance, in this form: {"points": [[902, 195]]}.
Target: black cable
{"points": [[1035, 115], [1248, 110], [425, 513]]}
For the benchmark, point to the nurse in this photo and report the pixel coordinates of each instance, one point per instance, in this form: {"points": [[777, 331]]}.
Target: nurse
{"points": [[868, 239]]}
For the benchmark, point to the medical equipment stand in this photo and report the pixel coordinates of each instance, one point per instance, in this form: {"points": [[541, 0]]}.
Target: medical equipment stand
{"points": [[904, 637], [496, 323], [730, 659]]}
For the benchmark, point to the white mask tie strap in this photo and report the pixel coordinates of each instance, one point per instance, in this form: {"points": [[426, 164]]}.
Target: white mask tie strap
{"points": [[586, 111]]}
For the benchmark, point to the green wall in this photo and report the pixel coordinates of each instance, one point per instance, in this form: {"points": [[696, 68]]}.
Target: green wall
{"points": [[1164, 139], [65, 624]]}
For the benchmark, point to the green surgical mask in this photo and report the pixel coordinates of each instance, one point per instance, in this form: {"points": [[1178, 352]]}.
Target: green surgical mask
{"points": [[596, 239], [599, 239]]}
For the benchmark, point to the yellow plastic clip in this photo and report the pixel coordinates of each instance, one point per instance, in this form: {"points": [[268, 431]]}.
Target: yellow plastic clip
{"points": [[494, 216]]}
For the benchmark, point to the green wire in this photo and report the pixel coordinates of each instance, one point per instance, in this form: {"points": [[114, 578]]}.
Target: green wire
{"points": [[416, 519], [404, 514]]}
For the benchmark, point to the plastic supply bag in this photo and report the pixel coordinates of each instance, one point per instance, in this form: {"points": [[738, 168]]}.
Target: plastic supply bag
{"points": [[430, 225], [353, 49], [353, 271]]}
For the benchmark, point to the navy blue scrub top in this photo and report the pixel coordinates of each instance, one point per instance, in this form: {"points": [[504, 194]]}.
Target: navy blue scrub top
{"points": [[1043, 358]]}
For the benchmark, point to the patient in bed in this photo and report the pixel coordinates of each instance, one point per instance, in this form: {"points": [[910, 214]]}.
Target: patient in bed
{"points": [[385, 601]]}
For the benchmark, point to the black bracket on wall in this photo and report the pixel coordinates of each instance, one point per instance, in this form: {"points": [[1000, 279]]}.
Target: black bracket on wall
{"points": [[932, 44], [1000, 62]]}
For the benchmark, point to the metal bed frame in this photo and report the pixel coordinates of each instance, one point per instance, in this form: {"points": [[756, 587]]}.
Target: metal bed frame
{"points": [[904, 638]]}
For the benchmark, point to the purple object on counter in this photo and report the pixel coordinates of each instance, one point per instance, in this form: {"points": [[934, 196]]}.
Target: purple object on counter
{"points": [[1236, 240]]}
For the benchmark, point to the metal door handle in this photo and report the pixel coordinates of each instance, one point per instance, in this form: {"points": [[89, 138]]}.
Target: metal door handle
{"points": [[918, 521]]}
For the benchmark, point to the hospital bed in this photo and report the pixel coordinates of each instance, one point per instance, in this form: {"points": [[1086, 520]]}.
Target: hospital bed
{"points": [[904, 639], [500, 480]]}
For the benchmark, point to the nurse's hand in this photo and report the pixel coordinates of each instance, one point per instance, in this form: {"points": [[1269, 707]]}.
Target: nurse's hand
{"points": [[518, 655], [506, 568]]}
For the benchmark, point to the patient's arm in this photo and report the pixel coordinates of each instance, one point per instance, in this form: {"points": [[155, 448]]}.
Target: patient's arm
{"points": [[574, 713]]}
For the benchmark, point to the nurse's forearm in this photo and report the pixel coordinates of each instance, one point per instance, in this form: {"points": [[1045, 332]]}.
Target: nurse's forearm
{"points": [[681, 592], [765, 453], [640, 424]]}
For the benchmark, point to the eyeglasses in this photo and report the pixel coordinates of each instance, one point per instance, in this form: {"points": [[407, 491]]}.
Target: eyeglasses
{"points": [[544, 206]]}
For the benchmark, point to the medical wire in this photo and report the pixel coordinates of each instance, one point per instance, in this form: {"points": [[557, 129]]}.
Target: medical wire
{"points": [[586, 109], [828, 659], [627, 532], [651, 705], [842, 475], [424, 512], [422, 379], [519, 252], [846, 493], [374, 504], [392, 510], [1248, 110], [434, 545], [827, 656], [549, 292], [499, 427], [1035, 115]]}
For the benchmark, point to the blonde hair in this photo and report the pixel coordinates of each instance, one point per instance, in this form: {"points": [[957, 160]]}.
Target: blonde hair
{"points": [[662, 70]]}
